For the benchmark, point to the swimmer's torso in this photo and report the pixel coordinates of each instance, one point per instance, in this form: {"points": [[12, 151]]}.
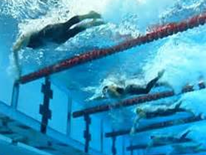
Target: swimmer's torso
{"points": [[114, 91], [57, 33], [47, 34]]}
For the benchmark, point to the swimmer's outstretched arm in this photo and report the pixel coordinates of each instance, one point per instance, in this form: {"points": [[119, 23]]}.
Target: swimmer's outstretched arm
{"points": [[96, 98], [135, 125], [22, 41], [16, 47], [16, 63], [18, 44], [140, 115]]}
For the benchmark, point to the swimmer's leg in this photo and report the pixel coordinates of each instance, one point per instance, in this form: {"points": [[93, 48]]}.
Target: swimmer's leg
{"points": [[59, 29], [76, 30], [152, 83], [184, 135], [90, 15], [76, 19]]}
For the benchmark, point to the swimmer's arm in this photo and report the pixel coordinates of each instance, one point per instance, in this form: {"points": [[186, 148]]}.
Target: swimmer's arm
{"points": [[89, 89], [16, 63], [116, 93], [18, 44], [135, 125], [23, 40], [100, 97], [96, 98]]}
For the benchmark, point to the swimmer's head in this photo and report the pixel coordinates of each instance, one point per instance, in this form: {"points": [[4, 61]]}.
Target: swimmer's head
{"points": [[108, 89], [112, 91], [105, 89], [140, 112]]}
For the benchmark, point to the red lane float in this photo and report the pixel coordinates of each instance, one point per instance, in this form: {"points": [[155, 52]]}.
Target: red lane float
{"points": [[161, 32], [134, 101]]}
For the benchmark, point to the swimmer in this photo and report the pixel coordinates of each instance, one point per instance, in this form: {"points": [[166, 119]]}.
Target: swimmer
{"points": [[115, 91], [191, 148], [118, 90], [57, 33], [158, 140], [160, 111]]}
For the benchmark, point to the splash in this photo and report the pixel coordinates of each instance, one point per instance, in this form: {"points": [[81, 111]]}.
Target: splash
{"points": [[179, 56], [137, 12], [194, 102]]}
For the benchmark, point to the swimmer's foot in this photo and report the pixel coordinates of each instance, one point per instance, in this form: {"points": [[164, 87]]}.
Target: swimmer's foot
{"points": [[178, 105], [160, 74], [90, 15], [94, 15], [184, 135]]}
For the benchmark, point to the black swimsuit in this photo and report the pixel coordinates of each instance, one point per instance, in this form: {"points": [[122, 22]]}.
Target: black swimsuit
{"points": [[57, 33]]}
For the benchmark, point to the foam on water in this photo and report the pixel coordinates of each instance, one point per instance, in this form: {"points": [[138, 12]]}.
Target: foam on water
{"points": [[194, 102], [182, 56]]}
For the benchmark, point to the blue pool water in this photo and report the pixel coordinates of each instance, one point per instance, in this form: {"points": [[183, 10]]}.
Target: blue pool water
{"points": [[181, 56]]}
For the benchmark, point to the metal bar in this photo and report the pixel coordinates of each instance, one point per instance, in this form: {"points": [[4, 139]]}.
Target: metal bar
{"points": [[87, 134], [156, 126], [123, 145], [134, 101], [69, 116], [161, 32], [15, 95], [114, 150], [132, 151], [44, 108], [102, 135]]}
